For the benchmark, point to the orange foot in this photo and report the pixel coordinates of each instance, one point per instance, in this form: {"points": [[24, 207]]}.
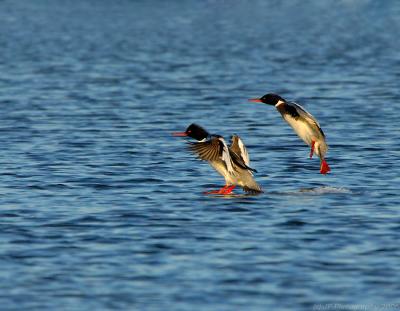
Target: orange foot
{"points": [[217, 191], [229, 190], [224, 190], [324, 169]]}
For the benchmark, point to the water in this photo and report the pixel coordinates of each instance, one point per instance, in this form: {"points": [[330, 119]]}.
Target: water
{"points": [[102, 209]]}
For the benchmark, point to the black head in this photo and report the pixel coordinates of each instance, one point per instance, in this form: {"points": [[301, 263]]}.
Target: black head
{"points": [[195, 131], [269, 99]]}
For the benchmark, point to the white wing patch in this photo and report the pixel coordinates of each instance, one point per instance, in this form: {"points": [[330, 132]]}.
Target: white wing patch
{"points": [[226, 157], [243, 152]]}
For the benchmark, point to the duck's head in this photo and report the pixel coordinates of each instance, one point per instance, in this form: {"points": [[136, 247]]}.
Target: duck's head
{"points": [[194, 131], [269, 99]]}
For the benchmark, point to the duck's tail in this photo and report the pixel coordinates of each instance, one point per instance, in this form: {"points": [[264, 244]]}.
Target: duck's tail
{"points": [[252, 187]]}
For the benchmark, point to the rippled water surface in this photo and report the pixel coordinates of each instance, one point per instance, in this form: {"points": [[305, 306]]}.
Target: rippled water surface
{"points": [[102, 209]]}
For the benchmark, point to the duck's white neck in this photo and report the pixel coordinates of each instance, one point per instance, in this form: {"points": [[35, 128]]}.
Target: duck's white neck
{"points": [[280, 102]]}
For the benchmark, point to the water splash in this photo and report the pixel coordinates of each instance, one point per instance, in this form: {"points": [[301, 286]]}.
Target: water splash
{"points": [[324, 190]]}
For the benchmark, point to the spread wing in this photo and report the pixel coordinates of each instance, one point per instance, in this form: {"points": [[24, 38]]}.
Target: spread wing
{"points": [[239, 148], [300, 111], [212, 150]]}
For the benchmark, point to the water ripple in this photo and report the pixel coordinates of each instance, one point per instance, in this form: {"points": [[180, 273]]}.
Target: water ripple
{"points": [[102, 209]]}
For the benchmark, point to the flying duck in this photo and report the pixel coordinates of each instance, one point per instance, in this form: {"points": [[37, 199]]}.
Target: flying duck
{"points": [[303, 123]]}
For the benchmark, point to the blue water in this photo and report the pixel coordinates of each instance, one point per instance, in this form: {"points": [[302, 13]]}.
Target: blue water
{"points": [[101, 209]]}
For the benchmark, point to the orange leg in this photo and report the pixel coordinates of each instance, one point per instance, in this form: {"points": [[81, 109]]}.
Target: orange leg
{"points": [[312, 149]]}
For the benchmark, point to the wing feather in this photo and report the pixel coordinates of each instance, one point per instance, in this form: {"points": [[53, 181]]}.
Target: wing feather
{"points": [[226, 156], [239, 148], [213, 150], [208, 150]]}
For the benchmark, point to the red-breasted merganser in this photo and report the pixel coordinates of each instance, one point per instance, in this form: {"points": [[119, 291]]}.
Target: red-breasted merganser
{"points": [[303, 123], [231, 162]]}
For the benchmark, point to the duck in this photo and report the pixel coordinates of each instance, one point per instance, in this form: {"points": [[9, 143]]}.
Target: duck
{"points": [[303, 123], [232, 162]]}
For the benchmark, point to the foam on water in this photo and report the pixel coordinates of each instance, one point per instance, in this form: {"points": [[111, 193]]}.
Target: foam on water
{"points": [[325, 190]]}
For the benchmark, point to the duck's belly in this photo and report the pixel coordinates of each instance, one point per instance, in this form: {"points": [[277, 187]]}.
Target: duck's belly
{"points": [[220, 167], [309, 134], [303, 130]]}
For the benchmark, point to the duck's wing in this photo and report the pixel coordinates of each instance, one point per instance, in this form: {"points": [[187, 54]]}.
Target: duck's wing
{"points": [[239, 154], [237, 160], [295, 110], [213, 150], [239, 148]]}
